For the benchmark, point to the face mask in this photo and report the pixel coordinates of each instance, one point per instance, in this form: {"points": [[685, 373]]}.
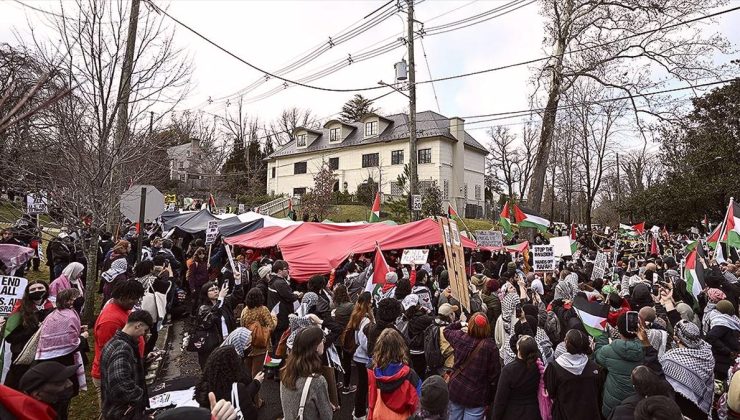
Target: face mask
{"points": [[37, 295]]}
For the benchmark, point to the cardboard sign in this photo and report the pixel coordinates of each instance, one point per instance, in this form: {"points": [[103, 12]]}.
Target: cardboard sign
{"points": [[211, 232], [561, 246], [36, 204], [11, 290], [241, 209], [489, 238], [414, 256], [455, 259], [600, 265], [543, 258]]}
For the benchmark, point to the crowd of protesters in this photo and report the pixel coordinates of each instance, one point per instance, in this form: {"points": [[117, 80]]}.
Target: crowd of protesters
{"points": [[404, 348]]}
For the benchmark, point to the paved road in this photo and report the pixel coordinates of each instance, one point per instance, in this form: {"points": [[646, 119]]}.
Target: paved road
{"points": [[181, 365]]}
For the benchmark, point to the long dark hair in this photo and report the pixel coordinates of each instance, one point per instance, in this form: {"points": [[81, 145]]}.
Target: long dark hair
{"points": [[204, 293], [223, 367], [304, 360], [28, 311], [527, 346], [362, 308]]}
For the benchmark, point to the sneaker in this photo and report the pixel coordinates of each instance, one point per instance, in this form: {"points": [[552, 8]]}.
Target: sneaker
{"points": [[349, 389]]}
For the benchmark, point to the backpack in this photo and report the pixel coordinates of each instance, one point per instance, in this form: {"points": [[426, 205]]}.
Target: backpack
{"points": [[402, 325], [432, 351], [347, 341], [476, 303]]}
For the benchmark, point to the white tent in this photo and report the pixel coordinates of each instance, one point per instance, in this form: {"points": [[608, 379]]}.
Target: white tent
{"points": [[267, 220]]}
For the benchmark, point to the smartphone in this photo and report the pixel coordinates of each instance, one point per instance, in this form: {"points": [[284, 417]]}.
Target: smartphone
{"points": [[632, 321]]}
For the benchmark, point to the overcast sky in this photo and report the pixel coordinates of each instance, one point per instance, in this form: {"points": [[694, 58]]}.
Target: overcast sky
{"points": [[271, 33]]}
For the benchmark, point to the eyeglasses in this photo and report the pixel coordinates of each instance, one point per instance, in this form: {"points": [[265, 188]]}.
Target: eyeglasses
{"points": [[213, 289]]}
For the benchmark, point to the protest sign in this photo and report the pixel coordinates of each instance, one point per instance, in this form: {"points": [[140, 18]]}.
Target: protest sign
{"points": [[36, 204], [211, 232], [561, 246], [600, 266], [241, 208], [455, 261], [489, 238], [11, 290], [544, 258], [414, 256]]}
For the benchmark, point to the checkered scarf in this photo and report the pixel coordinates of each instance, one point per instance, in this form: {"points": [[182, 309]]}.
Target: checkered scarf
{"points": [[691, 373]]}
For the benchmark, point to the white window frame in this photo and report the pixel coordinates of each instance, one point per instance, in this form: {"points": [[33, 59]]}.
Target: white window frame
{"points": [[300, 140], [335, 134], [373, 126]]}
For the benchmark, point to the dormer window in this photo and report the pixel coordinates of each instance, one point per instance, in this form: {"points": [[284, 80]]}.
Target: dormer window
{"points": [[301, 140], [335, 134], [371, 128]]}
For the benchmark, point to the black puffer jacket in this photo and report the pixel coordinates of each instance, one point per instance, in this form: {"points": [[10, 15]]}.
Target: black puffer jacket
{"points": [[419, 322]]}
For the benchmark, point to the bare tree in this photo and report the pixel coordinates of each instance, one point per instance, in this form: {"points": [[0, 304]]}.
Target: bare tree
{"points": [[204, 129], [70, 150], [593, 124], [525, 164], [619, 45], [503, 158], [282, 128]]}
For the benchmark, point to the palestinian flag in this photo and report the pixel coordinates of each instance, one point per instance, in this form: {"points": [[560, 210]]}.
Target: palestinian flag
{"points": [[573, 246], [654, 250], [713, 237], [530, 220], [451, 212], [732, 226], [380, 266], [271, 362], [690, 246], [505, 219], [632, 230], [694, 273], [592, 314], [573, 231], [13, 321], [375, 213]]}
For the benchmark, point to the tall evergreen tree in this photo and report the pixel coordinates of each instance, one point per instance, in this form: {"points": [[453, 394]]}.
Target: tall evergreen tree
{"points": [[356, 108]]}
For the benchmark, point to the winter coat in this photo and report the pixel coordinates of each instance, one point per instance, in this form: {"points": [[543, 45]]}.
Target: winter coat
{"points": [[724, 341], [626, 410], [618, 358], [516, 393], [342, 313], [417, 324], [197, 276], [575, 396], [122, 387], [212, 316], [279, 292], [493, 303], [474, 385], [397, 386]]}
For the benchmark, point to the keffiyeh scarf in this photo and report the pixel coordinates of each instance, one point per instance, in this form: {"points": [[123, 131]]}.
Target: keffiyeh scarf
{"points": [[508, 306], [690, 371], [117, 268]]}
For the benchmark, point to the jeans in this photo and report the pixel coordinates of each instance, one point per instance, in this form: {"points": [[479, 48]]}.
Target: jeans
{"points": [[459, 412]]}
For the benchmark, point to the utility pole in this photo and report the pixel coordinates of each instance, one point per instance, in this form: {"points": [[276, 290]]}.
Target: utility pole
{"points": [[412, 103], [619, 187], [124, 93]]}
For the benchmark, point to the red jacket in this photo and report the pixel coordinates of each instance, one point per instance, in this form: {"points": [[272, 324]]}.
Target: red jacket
{"points": [[24, 407], [398, 387], [615, 313], [111, 319]]}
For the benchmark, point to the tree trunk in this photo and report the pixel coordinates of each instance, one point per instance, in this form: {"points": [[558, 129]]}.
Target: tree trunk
{"points": [[537, 185], [91, 253]]}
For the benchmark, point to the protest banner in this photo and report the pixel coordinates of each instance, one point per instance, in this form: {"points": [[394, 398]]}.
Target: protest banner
{"points": [[211, 232], [11, 290], [489, 238], [455, 259], [414, 256], [544, 258], [561, 246], [600, 266]]}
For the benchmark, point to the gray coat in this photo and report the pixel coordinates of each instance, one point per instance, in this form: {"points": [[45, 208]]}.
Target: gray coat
{"points": [[317, 405]]}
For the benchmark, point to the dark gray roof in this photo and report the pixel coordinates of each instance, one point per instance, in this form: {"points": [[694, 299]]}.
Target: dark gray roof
{"points": [[428, 124]]}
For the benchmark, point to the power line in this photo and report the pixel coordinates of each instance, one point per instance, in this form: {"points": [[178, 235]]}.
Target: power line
{"points": [[213, 43], [429, 70]]}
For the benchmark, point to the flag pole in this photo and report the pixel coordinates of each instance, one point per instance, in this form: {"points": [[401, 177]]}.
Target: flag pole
{"points": [[724, 229], [463, 222]]}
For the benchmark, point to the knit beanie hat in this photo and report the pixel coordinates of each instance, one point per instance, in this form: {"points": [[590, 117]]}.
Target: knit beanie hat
{"points": [[434, 395], [391, 277], [725, 307]]}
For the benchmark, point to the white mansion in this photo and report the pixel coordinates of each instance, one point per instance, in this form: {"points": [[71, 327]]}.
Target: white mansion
{"points": [[377, 147]]}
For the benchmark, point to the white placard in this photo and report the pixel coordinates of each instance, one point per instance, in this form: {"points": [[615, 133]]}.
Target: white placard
{"points": [[36, 204], [489, 238], [561, 246], [212, 232], [414, 256], [600, 265], [11, 290], [543, 258], [241, 209]]}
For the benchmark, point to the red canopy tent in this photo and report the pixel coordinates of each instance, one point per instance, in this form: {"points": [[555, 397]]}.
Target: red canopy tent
{"points": [[314, 248]]}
